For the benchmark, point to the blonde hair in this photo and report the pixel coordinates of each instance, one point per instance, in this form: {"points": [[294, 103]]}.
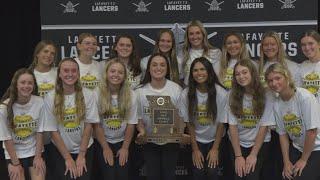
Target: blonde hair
{"points": [[205, 43], [281, 56], [124, 93], [278, 68], [226, 56], [59, 107]]}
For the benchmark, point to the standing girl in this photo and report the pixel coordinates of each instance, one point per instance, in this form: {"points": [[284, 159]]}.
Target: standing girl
{"points": [[68, 114], [272, 51], [202, 107], [165, 44], [233, 49], [118, 109], [196, 44], [21, 127], [125, 49], [298, 119], [248, 118], [160, 158], [310, 68]]}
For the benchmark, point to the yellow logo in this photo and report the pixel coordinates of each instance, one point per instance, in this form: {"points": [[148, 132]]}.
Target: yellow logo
{"points": [[89, 81], [70, 118], [44, 88], [248, 120], [113, 122], [292, 124], [202, 115], [228, 79], [312, 76], [23, 125]]}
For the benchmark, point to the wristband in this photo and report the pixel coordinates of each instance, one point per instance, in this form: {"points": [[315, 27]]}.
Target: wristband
{"points": [[18, 164], [238, 156]]}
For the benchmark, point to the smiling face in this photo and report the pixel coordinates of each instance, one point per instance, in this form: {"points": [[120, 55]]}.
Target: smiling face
{"points": [[165, 42], [115, 74], [25, 85], [46, 55], [195, 37], [69, 73], [88, 46], [277, 82], [310, 48], [233, 46], [270, 48], [124, 47], [243, 75], [158, 68], [199, 73]]}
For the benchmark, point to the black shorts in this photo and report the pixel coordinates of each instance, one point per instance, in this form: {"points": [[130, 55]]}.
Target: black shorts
{"points": [[25, 162]]}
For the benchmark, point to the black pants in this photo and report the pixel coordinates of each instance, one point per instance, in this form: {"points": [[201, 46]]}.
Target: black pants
{"points": [[115, 172], [265, 148], [206, 173], [60, 166], [49, 159], [311, 170], [161, 161]]}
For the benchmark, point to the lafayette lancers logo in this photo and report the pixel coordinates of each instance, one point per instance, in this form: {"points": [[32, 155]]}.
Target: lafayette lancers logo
{"points": [[69, 7], [177, 6], [287, 4], [105, 7], [214, 5], [250, 4], [141, 6]]}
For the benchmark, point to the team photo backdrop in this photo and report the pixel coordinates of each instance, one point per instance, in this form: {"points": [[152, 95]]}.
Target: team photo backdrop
{"points": [[63, 20]]}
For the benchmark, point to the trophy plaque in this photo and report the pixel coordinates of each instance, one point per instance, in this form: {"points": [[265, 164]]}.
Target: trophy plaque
{"points": [[167, 126]]}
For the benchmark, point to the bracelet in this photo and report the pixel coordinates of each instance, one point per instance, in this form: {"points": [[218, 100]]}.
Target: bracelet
{"points": [[16, 164], [238, 156]]}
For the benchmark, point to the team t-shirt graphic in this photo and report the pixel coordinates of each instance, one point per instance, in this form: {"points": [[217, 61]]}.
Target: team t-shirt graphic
{"points": [[89, 81], [24, 126], [202, 115], [113, 121], [248, 120], [70, 122], [292, 124], [44, 87], [311, 82], [227, 82]]}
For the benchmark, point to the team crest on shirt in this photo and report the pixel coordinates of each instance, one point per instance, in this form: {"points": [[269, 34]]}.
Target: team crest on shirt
{"points": [[44, 88], [292, 124], [227, 83], [202, 115], [89, 81], [113, 121], [70, 123], [312, 82], [24, 126], [248, 120]]}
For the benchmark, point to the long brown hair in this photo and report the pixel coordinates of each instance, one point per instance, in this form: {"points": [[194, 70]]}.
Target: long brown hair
{"points": [[256, 89], [11, 95], [42, 44]]}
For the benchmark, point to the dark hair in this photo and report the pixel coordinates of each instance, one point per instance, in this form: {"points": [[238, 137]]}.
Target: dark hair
{"points": [[210, 86], [147, 77], [134, 60]]}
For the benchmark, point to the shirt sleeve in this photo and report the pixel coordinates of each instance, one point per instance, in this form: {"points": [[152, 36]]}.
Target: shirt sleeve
{"points": [[5, 133], [267, 118], [221, 104], [133, 117], [46, 114], [279, 122]]}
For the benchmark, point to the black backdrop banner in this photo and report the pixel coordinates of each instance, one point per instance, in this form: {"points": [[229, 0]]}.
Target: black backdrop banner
{"points": [[63, 20]]}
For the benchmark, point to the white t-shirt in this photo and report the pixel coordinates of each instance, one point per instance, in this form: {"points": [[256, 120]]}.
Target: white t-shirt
{"points": [[133, 81], [144, 64], [45, 80], [310, 77], [90, 74], [249, 124], [214, 55], [115, 127], [170, 89], [292, 67], [227, 81], [297, 115], [27, 121], [205, 129], [70, 131]]}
